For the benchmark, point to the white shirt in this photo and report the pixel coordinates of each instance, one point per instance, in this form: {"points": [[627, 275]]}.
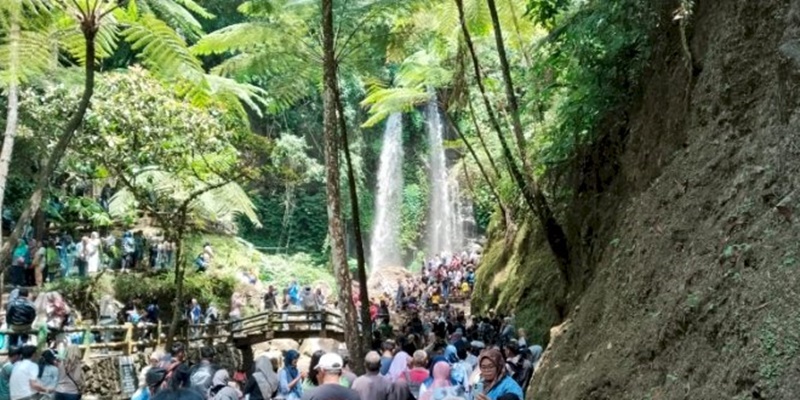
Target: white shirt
{"points": [[20, 383]]}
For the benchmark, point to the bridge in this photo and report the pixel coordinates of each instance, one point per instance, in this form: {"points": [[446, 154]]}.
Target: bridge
{"points": [[278, 324]]}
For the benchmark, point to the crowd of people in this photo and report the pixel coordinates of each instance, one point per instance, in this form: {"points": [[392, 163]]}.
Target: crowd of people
{"points": [[35, 262]]}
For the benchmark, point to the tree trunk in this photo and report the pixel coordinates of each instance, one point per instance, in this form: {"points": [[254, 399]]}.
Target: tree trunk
{"points": [[529, 192], [43, 177], [361, 259], [479, 134], [335, 225], [12, 117], [555, 233], [496, 195], [177, 303]]}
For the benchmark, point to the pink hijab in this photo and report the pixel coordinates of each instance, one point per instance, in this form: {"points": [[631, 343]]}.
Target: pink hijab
{"points": [[441, 379]]}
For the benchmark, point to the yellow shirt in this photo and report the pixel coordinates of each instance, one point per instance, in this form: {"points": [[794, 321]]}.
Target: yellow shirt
{"points": [[435, 299], [465, 287]]}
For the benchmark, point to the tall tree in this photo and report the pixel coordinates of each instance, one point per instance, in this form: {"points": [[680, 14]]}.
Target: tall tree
{"points": [[24, 53], [360, 257], [89, 16], [553, 230], [332, 189], [534, 198]]}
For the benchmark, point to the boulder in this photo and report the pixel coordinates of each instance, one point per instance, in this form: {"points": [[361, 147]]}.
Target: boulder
{"points": [[385, 280], [311, 345]]}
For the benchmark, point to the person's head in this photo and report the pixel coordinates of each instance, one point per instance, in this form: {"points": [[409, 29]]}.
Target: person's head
{"points": [[387, 346], [95, 235], [155, 377], [491, 364], [420, 359], [290, 358], [329, 368], [194, 302], [178, 394], [155, 358], [512, 348], [207, 353], [26, 352], [178, 351], [441, 371], [521, 333], [313, 372], [23, 292], [14, 353], [49, 357]]}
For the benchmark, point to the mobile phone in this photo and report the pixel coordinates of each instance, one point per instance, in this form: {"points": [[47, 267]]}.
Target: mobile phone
{"points": [[478, 388]]}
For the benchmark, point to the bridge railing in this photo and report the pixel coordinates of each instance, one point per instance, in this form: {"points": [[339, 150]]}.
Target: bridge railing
{"points": [[260, 327]]}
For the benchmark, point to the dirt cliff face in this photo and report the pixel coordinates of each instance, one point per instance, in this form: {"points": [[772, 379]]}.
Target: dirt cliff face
{"points": [[693, 291]]}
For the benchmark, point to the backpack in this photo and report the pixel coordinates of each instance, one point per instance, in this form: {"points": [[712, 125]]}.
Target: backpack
{"points": [[21, 312], [201, 378], [413, 387], [200, 263]]}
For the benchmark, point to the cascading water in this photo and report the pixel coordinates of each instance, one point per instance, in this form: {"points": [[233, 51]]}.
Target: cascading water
{"points": [[384, 247], [445, 227]]}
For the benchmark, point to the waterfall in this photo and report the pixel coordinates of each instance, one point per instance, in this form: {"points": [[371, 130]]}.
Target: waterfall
{"points": [[384, 248], [445, 225]]}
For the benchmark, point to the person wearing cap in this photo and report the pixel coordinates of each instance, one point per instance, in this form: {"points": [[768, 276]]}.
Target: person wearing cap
{"points": [[372, 385], [329, 372], [5, 372]]}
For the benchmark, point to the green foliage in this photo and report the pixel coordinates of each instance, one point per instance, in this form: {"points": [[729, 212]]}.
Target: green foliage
{"points": [[544, 12], [588, 71]]}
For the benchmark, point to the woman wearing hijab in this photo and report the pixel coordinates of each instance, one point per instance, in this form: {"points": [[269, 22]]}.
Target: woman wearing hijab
{"points": [[399, 366], [70, 376], [262, 384], [495, 382], [221, 391], [290, 379], [440, 386]]}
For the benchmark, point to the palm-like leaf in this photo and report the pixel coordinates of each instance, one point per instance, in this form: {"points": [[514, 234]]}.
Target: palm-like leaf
{"points": [[222, 204], [160, 48]]}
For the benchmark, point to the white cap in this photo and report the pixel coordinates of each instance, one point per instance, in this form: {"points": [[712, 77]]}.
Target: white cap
{"points": [[330, 362]]}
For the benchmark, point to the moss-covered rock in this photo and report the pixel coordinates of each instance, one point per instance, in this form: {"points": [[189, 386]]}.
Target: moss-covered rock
{"points": [[521, 278]]}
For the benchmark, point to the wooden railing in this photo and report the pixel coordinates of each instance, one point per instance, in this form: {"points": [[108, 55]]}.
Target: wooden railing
{"points": [[129, 338]]}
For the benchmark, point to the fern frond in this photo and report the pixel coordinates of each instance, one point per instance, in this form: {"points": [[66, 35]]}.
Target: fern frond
{"points": [[239, 38], [160, 48], [384, 102], [253, 96], [68, 33], [177, 17]]}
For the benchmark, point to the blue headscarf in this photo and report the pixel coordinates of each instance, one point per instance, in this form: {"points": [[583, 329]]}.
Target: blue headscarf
{"points": [[450, 354], [288, 363]]}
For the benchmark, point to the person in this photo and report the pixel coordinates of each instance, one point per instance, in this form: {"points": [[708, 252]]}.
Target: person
{"points": [[109, 309], [417, 375], [153, 361], [263, 383], [220, 390], [398, 367], [48, 370], [329, 371], [270, 299], [294, 293], [195, 313], [312, 380], [290, 379], [5, 372], [52, 262], [372, 385], [201, 375], [70, 376], [235, 313], [93, 253], [495, 382], [440, 382], [536, 355], [20, 315], [309, 302], [19, 259], [24, 382], [128, 250], [348, 376], [387, 356], [179, 369]]}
